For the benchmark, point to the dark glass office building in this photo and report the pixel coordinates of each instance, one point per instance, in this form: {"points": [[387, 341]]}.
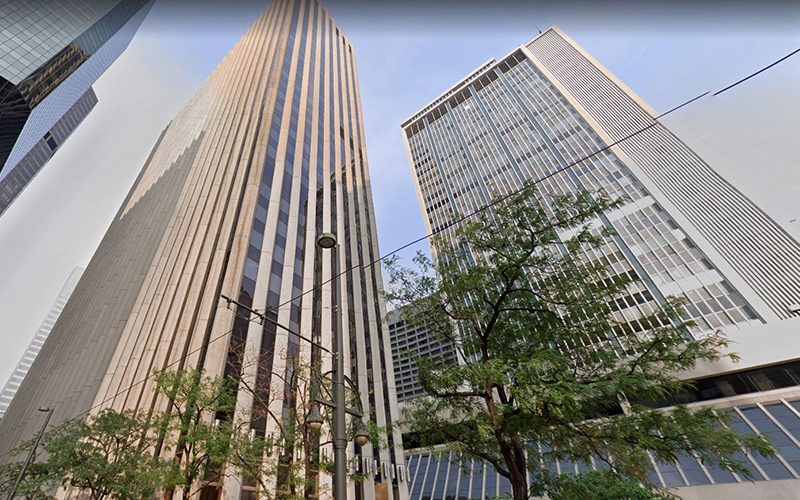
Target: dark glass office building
{"points": [[50, 55]]}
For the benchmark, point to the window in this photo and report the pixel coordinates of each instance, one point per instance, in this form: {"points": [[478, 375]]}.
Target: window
{"points": [[744, 382], [50, 141]]}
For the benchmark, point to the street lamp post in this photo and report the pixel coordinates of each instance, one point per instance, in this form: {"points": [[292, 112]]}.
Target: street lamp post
{"points": [[338, 402], [31, 453], [328, 241]]}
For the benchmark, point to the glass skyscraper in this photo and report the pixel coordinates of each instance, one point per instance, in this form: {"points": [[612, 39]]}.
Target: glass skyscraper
{"points": [[550, 113], [50, 55], [12, 184], [266, 156]]}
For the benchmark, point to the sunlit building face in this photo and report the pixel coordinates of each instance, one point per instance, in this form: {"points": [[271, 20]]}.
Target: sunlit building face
{"points": [[266, 156]]}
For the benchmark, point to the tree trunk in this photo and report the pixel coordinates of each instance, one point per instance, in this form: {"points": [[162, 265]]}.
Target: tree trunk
{"points": [[516, 463], [186, 491], [519, 486]]}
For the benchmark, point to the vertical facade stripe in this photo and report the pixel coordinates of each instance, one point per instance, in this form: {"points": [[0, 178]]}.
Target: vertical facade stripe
{"points": [[516, 110], [268, 154], [753, 245]]}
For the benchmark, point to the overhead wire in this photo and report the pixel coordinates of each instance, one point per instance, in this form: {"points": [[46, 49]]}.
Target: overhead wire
{"points": [[431, 234], [751, 75], [537, 181]]}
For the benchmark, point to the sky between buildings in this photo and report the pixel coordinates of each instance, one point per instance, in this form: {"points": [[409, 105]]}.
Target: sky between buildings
{"points": [[407, 54]]}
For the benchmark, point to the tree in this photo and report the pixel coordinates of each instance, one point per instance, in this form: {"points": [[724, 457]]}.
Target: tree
{"points": [[201, 445], [112, 457], [207, 450], [548, 359], [602, 485], [290, 455], [108, 455], [41, 478], [115, 453]]}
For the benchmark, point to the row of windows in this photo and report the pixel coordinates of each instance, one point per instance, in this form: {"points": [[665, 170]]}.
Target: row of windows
{"points": [[734, 384], [440, 475], [32, 32], [409, 343], [464, 146]]}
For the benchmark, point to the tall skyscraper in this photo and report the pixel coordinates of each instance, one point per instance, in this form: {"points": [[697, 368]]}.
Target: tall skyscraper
{"points": [[684, 230], [18, 375], [550, 113], [50, 55], [266, 156]]}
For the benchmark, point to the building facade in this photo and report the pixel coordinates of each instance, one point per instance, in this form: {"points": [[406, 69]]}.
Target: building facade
{"points": [[538, 114], [765, 401], [409, 343], [550, 114], [18, 375], [266, 156], [11, 185], [50, 55]]}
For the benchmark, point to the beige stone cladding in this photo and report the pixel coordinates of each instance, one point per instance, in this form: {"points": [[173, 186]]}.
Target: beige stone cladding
{"points": [[268, 154]]}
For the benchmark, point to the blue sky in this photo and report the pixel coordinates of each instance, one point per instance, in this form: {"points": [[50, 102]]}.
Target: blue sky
{"points": [[407, 56]]}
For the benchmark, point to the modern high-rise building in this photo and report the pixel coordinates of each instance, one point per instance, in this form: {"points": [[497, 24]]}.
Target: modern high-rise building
{"points": [[12, 184], [549, 113], [410, 343], [18, 375], [50, 55], [266, 156]]}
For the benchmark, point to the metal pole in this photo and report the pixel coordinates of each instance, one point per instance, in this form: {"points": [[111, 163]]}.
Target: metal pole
{"points": [[339, 428], [30, 454]]}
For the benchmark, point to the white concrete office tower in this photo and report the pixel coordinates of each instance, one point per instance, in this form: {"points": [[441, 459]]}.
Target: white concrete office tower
{"points": [[541, 114], [18, 375], [685, 231], [266, 156]]}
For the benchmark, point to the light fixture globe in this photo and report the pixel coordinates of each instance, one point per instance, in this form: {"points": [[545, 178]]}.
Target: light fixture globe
{"points": [[362, 438], [314, 420], [326, 240]]}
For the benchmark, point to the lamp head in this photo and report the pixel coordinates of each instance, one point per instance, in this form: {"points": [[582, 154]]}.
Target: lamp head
{"points": [[326, 240], [314, 419], [362, 438], [44, 409]]}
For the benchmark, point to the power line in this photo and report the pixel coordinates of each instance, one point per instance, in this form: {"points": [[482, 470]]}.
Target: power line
{"points": [[485, 207], [547, 176], [427, 236], [264, 317], [751, 75]]}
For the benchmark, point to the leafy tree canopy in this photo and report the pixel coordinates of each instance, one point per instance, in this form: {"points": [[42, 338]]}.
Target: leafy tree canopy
{"points": [[107, 456], [548, 358]]}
